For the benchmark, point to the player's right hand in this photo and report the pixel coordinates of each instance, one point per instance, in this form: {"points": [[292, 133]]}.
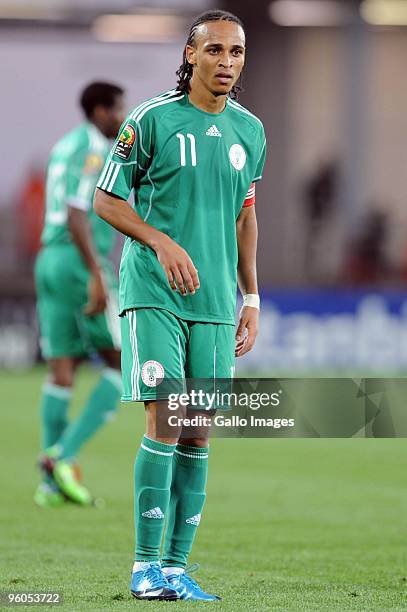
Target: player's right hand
{"points": [[97, 296], [178, 266]]}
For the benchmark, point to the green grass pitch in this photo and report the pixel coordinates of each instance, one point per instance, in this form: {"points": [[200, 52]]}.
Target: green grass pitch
{"points": [[288, 525]]}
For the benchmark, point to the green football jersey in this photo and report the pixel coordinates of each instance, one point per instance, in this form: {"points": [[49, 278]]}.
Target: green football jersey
{"points": [[73, 170], [190, 171]]}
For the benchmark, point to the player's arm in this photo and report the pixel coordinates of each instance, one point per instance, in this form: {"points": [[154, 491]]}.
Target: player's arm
{"points": [[80, 184], [176, 262], [81, 235], [246, 231]]}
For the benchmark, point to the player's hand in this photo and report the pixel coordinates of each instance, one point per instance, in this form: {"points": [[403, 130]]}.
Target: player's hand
{"points": [[178, 266], [97, 296], [247, 330]]}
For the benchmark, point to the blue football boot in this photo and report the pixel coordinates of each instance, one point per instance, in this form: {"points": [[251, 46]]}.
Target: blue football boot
{"points": [[187, 587], [150, 583]]}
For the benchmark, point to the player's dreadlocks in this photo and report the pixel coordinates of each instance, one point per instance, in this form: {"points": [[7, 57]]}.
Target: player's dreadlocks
{"points": [[184, 72]]}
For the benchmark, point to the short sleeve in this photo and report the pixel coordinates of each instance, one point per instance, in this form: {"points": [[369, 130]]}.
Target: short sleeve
{"points": [[262, 148], [80, 179], [129, 158]]}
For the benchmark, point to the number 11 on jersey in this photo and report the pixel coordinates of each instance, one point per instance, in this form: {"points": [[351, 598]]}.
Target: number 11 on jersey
{"points": [[182, 148]]}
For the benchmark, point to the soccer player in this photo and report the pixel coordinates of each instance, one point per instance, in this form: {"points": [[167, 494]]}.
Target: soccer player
{"points": [[76, 289], [192, 156]]}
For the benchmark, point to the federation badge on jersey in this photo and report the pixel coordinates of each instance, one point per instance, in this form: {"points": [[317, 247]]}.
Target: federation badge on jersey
{"points": [[93, 164], [152, 373], [237, 156], [126, 142]]}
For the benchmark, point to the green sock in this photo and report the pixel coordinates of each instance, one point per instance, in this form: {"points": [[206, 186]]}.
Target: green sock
{"points": [[54, 408], [99, 409], [152, 482], [190, 471]]}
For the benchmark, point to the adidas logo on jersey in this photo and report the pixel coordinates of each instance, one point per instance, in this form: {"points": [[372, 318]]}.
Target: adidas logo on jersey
{"points": [[154, 513], [194, 520], [213, 131]]}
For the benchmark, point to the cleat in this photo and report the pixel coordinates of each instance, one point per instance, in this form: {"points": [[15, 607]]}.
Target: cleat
{"points": [[151, 584], [64, 475], [188, 588], [48, 496]]}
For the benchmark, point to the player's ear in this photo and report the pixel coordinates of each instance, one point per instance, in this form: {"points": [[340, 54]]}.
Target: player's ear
{"points": [[190, 53], [99, 113]]}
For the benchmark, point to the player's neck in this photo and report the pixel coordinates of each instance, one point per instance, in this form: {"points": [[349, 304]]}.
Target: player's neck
{"points": [[204, 99]]}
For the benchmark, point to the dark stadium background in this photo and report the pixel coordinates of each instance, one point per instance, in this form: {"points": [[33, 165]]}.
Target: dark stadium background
{"points": [[311, 524], [330, 88]]}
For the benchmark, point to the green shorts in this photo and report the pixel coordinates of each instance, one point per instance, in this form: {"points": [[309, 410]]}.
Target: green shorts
{"points": [[61, 281], [157, 345]]}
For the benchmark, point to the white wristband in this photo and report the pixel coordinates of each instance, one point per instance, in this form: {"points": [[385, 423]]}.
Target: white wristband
{"points": [[251, 299]]}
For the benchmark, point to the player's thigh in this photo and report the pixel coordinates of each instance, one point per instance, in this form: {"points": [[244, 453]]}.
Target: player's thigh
{"points": [[60, 334], [153, 349], [209, 367], [59, 302], [211, 351], [61, 275]]}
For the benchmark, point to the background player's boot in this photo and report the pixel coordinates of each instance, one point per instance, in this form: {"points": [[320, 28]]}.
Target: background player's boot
{"points": [[150, 583], [48, 496], [64, 474], [187, 587]]}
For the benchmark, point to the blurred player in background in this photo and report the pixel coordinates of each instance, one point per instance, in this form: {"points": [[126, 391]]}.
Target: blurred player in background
{"points": [[193, 156], [77, 294]]}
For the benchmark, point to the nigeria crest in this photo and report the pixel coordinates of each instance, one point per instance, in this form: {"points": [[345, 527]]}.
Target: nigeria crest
{"points": [[152, 373]]}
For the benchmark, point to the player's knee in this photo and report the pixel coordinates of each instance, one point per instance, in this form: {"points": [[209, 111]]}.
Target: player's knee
{"points": [[62, 380], [198, 442], [158, 427], [61, 374]]}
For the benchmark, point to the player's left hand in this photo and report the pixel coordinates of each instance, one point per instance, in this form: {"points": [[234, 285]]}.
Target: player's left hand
{"points": [[247, 330]]}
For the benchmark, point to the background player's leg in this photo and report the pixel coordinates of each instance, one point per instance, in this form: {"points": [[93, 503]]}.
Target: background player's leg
{"points": [[56, 394], [99, 408], [93, 333]]}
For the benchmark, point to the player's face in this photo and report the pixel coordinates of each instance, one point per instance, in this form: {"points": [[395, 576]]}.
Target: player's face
{"points": [[110, 119], [218, 55]]}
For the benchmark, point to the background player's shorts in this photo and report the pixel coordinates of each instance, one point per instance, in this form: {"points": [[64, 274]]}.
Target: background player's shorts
{"points": [[61, 281], [158, 345]]}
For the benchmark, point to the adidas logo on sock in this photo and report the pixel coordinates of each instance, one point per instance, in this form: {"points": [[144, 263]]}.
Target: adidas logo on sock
{"points": [[194, 520], [154, 513], [213, 131]]}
